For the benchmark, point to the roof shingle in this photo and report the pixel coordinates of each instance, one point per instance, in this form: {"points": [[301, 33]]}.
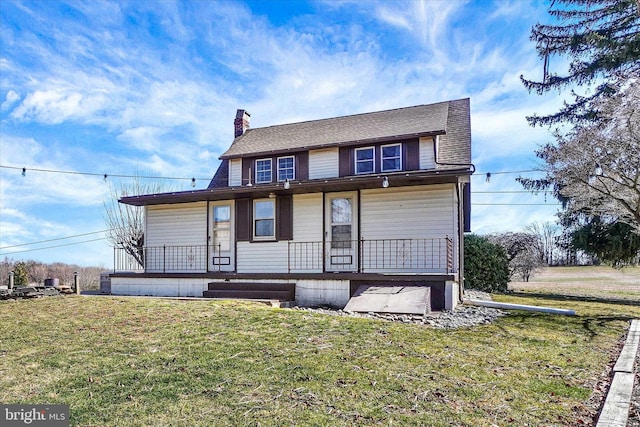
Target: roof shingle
{"points": [[449, 119]]}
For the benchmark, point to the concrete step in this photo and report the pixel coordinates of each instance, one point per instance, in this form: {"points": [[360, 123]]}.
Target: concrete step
{"points": [[251, 290]]}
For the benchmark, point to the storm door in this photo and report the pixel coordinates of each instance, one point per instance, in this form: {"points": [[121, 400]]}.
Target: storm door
{"points": [[341, 234], [221, 244]]}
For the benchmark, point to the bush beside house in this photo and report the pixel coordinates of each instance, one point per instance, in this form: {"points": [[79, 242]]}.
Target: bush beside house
{"points": [[486, 265]]}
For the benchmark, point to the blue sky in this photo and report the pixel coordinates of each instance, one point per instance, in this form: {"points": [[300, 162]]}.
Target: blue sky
{"points": [[152, 87]]}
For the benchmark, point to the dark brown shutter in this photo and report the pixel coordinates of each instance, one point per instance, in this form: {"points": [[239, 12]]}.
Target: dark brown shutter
{"points": [[411, 161], [302, 165], [466, 206], [284, 218], [345, 159], [243, 220]]}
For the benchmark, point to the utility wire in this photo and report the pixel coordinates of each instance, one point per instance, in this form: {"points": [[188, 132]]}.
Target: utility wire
{"points": [[52, 247], [104, 175], [505, 172], [107, 175], [516, 204], [52, 240]]}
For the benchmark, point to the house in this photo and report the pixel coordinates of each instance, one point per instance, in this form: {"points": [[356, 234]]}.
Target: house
{"points": [[316, 209]]}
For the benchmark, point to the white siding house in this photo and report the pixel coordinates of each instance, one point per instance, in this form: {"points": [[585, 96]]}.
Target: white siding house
{"points": [[313, 210]]}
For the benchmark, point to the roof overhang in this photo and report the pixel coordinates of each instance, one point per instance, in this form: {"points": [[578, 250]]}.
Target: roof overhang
{"points": [[349, 183]]}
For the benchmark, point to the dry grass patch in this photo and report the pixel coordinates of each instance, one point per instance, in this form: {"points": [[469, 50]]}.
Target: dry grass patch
{"points": [[130, 361], [589, 281]]}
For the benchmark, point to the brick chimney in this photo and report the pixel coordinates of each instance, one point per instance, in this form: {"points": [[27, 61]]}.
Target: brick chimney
{"points": [[241, 123]]}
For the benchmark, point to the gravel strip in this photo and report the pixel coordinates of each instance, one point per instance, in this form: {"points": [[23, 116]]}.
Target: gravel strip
{"points": [[462, 317]]}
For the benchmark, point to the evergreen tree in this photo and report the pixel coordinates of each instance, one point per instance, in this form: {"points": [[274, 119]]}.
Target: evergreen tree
{"points": [[602, 40], [20, 274]]}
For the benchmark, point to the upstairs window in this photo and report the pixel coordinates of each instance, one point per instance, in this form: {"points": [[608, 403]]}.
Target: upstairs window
{"points": [[391, 158], [286, 168], [365, 160], [264, 218], [263, 171]]}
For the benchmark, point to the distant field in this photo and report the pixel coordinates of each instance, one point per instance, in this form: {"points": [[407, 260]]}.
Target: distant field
{"points": [[596, 282]]}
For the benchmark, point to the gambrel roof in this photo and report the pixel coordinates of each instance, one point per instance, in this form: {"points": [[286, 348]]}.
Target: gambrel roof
{"points": [[449, 119]]}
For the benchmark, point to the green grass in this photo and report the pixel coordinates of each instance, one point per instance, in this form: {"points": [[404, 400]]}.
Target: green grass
{"points": [[120, 362]]}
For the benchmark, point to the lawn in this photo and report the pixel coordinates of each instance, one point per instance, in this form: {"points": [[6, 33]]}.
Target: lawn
{"points": [[138, 361], [593, 281]]}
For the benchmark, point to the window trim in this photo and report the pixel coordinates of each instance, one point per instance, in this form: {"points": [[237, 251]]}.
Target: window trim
{"points": [[293, 167], [382, 157], [255, 218], [372, 160], [270, 160]]}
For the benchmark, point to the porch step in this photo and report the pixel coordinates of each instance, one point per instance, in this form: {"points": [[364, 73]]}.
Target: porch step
{"points": [[391, 299], [251, 290]]}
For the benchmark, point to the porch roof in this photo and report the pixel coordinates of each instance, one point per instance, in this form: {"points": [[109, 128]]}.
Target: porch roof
{"points": [[397, 179]]}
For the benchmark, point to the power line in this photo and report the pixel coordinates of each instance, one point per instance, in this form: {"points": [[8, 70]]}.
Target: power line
{"points": [[55, 246], [52, 240], [103, 175], [535, 193], [516, 204], [506, 172], [107, 175]]}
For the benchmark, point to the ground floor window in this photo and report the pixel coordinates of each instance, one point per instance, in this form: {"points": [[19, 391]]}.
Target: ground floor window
{"points": [[264, 219]]}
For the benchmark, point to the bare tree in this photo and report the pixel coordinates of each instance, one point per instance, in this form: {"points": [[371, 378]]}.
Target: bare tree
{"points": [[522, 253], [62, 271], [595, 168], [546, 243], [6, 266], [125, 223], [37, 271]]}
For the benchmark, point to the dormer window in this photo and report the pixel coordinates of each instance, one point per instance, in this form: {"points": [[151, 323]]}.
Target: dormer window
{"points": [[365, 160], [391, 158], [286, 168], [263, 171]]}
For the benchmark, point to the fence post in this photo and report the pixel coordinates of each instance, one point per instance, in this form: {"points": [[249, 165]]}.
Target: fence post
{"points": [[164, 258], [76, 282], [11, 279]]}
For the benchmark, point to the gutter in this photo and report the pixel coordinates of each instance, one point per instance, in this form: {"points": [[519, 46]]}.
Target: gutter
{"points": [[507, 306]]}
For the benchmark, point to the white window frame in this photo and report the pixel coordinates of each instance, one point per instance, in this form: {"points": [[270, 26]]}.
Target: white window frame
{"points": [[256, 218], [382, 157], [372, 160], [292, 168], [259, 181]]}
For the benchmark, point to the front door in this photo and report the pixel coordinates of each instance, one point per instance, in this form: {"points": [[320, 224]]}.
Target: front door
{"points": [[221, 244], [341, 234]]}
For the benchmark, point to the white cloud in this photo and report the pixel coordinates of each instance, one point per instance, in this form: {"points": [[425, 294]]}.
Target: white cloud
{"points": [[39, 188], [10, 99]]}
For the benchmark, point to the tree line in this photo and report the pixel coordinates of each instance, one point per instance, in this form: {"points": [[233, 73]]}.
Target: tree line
{"points": [[35, 272]]}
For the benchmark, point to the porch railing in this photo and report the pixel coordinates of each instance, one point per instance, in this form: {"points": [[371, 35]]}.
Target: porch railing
{"points": [[374, 255], [165, 259], [431, 255]]}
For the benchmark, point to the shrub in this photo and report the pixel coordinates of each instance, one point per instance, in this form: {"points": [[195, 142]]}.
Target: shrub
{"points": [[20, 274], [486, 266]]}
